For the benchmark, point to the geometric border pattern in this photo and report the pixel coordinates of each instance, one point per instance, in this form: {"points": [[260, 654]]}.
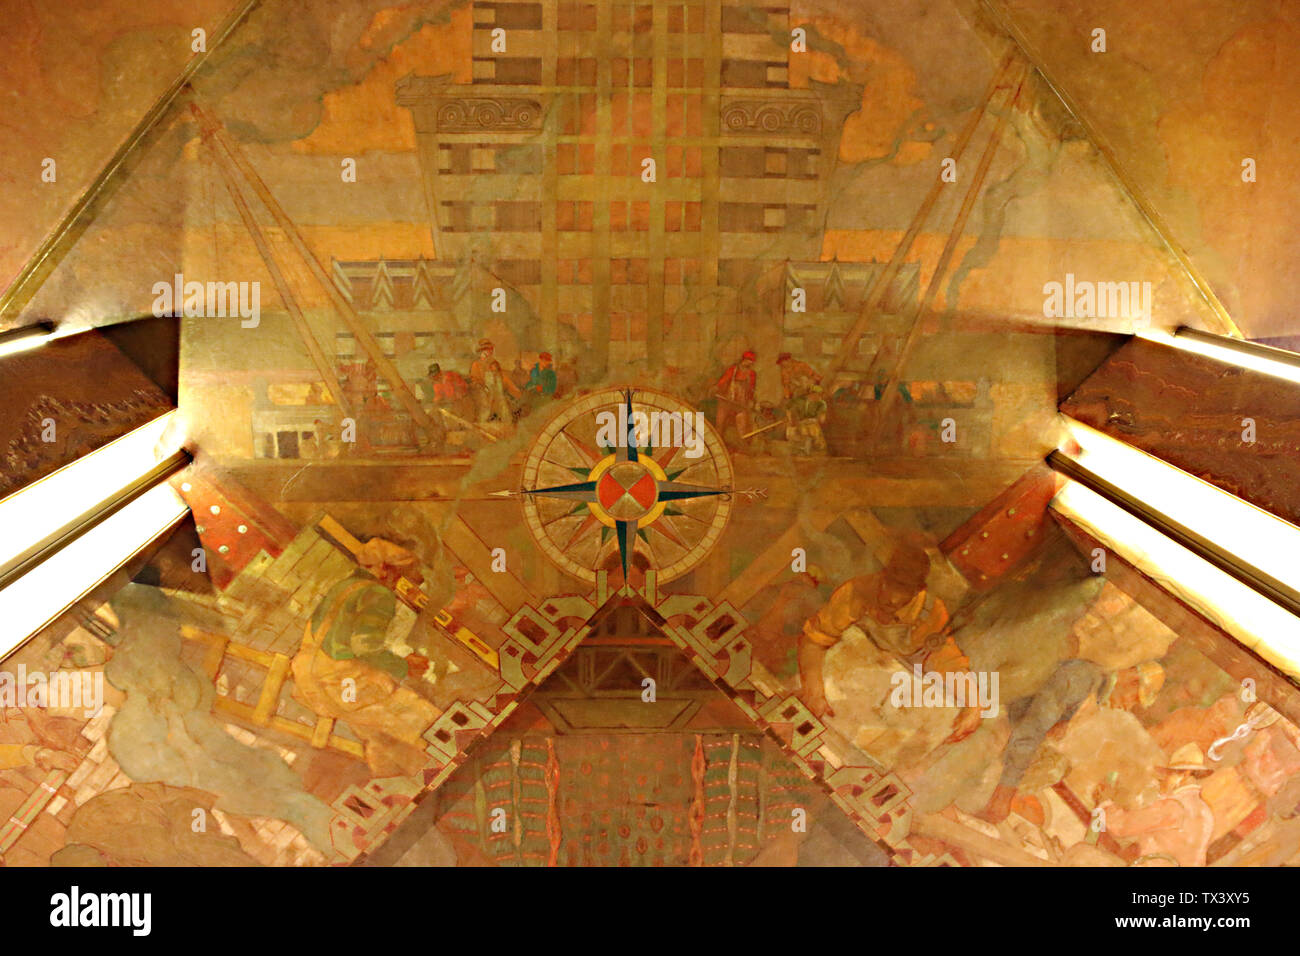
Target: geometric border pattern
{"points": [[539, 639]]}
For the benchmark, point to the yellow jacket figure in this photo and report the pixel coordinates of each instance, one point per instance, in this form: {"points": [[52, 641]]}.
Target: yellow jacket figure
{"points": [[893, 607]]}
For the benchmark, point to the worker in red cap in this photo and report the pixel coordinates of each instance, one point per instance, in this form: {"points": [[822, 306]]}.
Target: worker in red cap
{"points": [[735, 394]]}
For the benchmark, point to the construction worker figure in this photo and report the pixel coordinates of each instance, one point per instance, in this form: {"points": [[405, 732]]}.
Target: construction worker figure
{"points": [[735, 394], [1110, 667], [445, 387], [806, 413], [447, 390], [1175, 829], [797, 378], [893, 607], [542, 380], [361, 386], [491, 385], [349, 664], [518, 376]]}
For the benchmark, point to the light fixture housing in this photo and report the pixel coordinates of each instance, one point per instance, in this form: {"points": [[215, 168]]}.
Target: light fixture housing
{"points": [[47, 590], [1251, 355], [1259, 624], [68, 531], [1223, 556], [27, 337]]}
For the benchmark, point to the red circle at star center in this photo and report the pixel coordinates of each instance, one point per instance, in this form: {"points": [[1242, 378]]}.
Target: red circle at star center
{"points": [[627, 491]]}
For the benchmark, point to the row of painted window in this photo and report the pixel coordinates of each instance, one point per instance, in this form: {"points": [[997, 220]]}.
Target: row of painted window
{"points": [[630, 18], [579, 159], [582, 72], [579, 216]]}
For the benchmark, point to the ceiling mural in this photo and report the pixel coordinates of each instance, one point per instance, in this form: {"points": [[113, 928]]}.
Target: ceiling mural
{"points": [[619, 434]]}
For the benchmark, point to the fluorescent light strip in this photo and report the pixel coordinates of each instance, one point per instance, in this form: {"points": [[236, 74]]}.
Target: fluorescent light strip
{"points": [[43, 593], [1234, 526], [1255, 621], [20, 340], [31, 514], [1251, 355]]}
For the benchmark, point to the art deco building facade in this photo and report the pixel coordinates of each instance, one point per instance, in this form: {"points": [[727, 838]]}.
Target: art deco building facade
{"points": [[582, 95]]}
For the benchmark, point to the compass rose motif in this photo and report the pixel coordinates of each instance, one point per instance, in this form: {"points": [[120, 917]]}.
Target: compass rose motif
{"points": [[667, 505]]}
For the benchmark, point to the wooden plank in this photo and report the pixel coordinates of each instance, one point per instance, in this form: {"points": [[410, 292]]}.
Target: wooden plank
{"points": [[474, 554], [212, 657], [252, 654], [352, 748], [215, 654], [244, 712], [340, 534], [415, 598], [270, 697], [263, 715], [874, 535]]}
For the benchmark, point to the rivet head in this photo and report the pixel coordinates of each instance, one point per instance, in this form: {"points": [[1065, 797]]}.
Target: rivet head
{"points": [[223, 549], [1011, 512], [1005, 557], [984, 534], [215, 510], [243, 529], [200, 529], [186, 486]]}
